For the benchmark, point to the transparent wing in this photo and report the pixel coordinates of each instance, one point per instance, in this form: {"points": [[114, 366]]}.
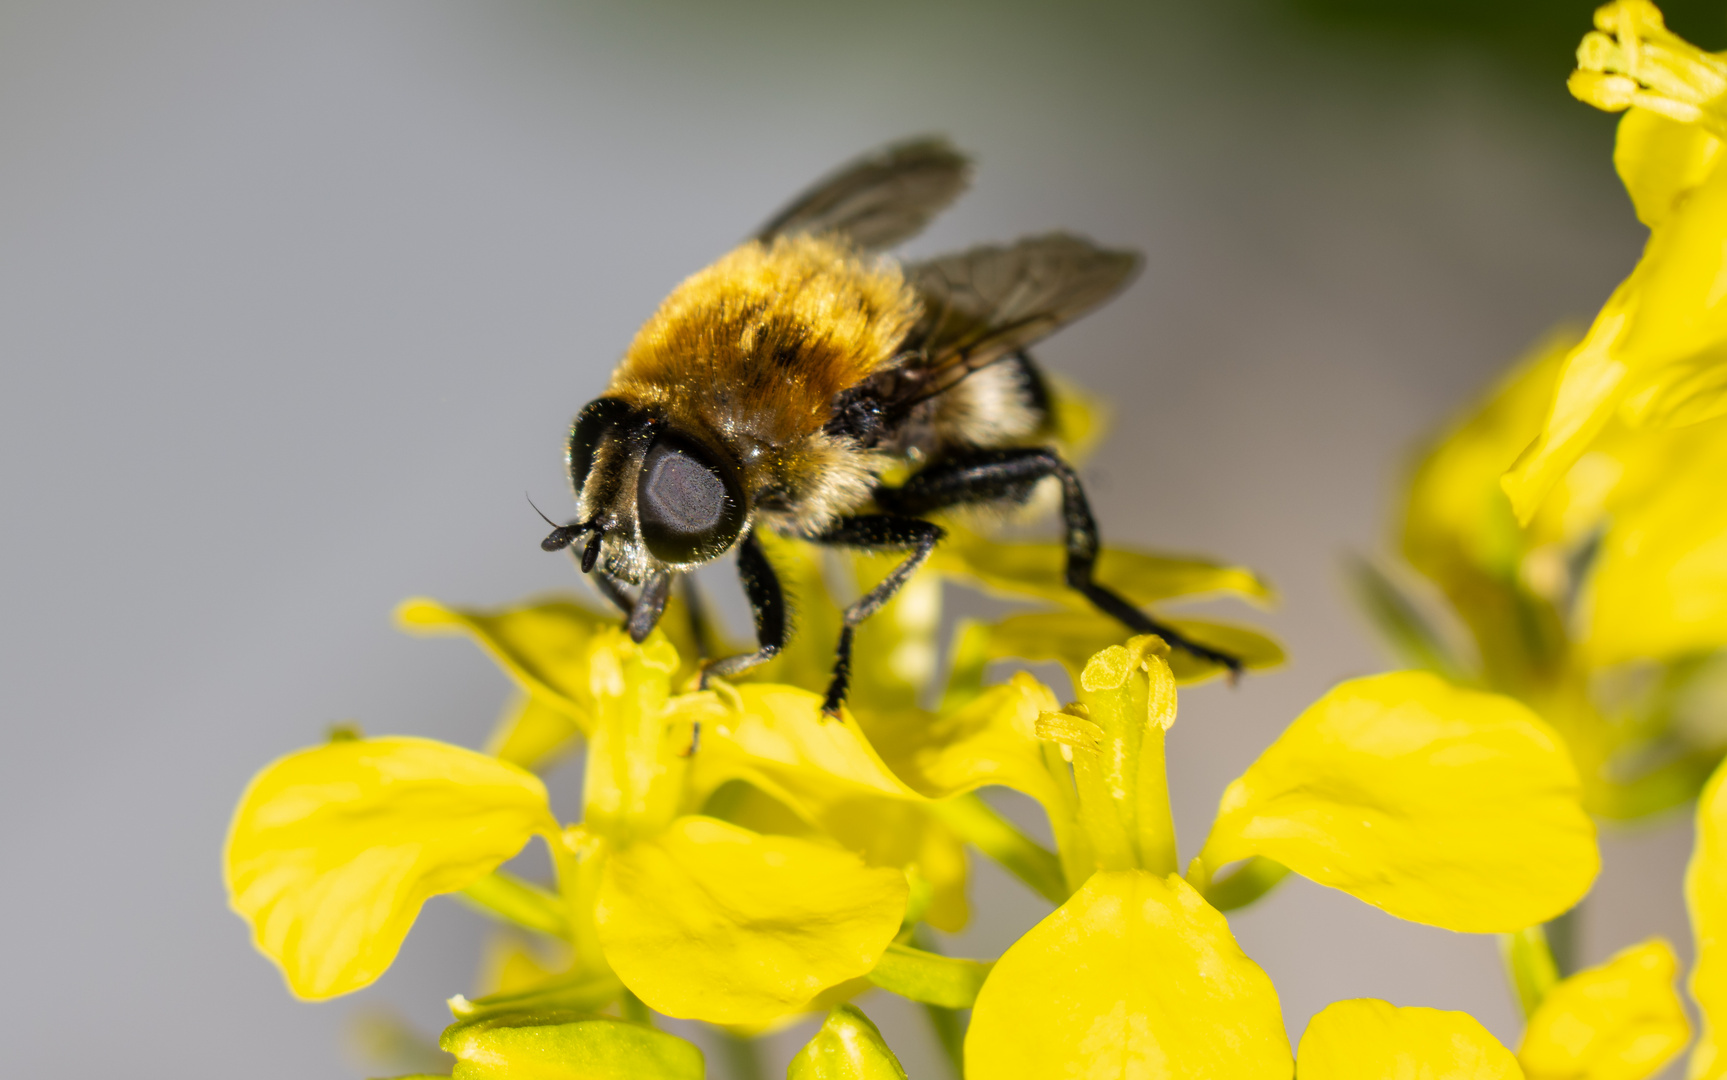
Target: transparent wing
{"points": [[986, 303], [881, 199]]}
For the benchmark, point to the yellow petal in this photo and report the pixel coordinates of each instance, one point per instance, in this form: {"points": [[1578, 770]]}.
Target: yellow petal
{"points": [[1621, 1020], [884, 831], [712, 922], [1659, 586], [1440, 805], [532, 733], [1685, 392], [1706, 896], [1078, 420], [509, 964], [1660, 160], [1457, 525], [1677, 313], [777, 742], [1659, 345], [897, 833], [567, 1046], [1134, 976], [991, 740], [1590, 385], [1021, 570], [333, 850], [1365, 1039], [848, 1047], [1071, 638], [543, 646], [777, 738]]}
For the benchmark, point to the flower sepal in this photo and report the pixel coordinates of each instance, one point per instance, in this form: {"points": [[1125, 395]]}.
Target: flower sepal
{"points": [[561, 1045]]}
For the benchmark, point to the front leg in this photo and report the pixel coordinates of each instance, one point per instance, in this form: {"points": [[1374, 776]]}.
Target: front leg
{"points": [[650, 605], [767, 602], [613, 589], [874, 532]]}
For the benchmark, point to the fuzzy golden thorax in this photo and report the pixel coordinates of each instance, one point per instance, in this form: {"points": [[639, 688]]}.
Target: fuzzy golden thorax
{"points": [[752, 350]]}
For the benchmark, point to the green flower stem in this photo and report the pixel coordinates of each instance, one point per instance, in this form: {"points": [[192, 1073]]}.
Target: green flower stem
{"points": [[520, 903], [1399, 618], [743, 1057], [949, 1024], [1247, 883], [949, 1027], [980, 826], [929, 977], [1565, 940], [633, 1009], [578, 991], [1529, 963]]}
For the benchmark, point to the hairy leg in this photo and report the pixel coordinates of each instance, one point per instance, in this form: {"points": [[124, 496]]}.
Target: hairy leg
{"points": [[875, 532], [982, 476]]}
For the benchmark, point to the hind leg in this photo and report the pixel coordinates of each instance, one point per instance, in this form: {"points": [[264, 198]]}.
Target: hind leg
{"points": [[983, 476]]}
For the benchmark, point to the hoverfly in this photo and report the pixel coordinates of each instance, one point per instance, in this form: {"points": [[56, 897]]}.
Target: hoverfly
{"points": [[774, 388]]}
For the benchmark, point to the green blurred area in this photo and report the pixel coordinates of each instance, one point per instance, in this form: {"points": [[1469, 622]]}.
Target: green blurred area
{"points": [[1537, 36]]}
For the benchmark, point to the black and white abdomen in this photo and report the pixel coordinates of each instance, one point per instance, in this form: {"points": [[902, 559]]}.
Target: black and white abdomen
{"points": [[1003, 404]]}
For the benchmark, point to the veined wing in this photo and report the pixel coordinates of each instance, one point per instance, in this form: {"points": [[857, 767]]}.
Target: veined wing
{"points": [[986, 303], [881, 199]]}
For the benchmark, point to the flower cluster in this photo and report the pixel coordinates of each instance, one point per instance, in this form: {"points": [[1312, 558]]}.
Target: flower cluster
{"points": [[742, 860]]}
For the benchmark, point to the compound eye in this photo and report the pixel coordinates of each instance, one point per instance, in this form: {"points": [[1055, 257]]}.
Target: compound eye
{"points": [[689, 506]]}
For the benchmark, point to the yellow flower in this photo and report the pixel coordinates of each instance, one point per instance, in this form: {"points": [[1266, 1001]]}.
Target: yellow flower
{"points": [[1621, 575], [1657, 352], [333, 850], [1706, 896], [1136, 975], [1621, 1020], [767, 874], [697, 917], [1441, 805], [1369, 1040]]}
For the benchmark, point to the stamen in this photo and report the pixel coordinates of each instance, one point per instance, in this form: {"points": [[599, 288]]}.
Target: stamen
{"points": [[1632, 59], [1071, 729]]}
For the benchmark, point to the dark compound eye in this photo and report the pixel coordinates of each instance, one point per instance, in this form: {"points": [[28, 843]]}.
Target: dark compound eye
{"points": [[689, 506]]}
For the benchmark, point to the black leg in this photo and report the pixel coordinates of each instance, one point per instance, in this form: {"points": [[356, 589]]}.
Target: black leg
{"points": [[1010, 475], [650, 604], [874, 532], [698, 615], [613, 590], [762, 586]]}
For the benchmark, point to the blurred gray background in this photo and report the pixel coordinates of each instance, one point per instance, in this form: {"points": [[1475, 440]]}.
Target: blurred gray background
{"points": [[296, 299]]}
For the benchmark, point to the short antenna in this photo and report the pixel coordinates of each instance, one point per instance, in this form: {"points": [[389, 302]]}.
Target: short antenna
{"points": [[562, 535]]}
